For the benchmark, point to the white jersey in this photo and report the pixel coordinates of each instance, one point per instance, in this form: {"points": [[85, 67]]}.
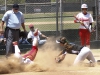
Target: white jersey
{"points": [[86, 19], [30, 35]]}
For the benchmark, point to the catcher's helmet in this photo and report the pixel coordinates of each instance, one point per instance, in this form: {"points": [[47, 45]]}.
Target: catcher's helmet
{"points": [[84, 6]]}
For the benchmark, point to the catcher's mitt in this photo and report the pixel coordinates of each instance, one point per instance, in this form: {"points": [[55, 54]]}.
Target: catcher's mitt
{"points": [[58, 59]]}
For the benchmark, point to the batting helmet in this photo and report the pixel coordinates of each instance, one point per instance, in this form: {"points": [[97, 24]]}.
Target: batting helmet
{"points": [[84, 6]]}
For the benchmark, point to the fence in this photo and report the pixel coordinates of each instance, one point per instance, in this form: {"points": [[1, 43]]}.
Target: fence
{"points": [[54, 15]]}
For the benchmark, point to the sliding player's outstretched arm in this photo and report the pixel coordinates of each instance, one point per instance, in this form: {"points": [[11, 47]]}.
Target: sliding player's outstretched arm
{"points": [[60, 57]]}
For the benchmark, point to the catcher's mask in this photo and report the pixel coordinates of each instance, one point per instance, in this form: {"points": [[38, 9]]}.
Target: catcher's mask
{"points": [[61, 40]]}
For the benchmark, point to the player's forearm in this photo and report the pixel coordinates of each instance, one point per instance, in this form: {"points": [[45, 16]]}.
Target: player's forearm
{"points": [[23, 26], [60, 53], [76, 20], [63, 57], [2, 25], [44, 36]]}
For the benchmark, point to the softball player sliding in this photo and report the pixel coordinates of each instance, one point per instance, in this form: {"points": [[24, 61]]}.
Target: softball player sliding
{"points": [[85, 19], [30, 56], [81, 51]]}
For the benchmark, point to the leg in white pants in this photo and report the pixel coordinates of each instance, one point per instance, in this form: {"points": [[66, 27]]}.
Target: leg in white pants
{"points": [[18, 55], [17, 51], [84, 53], [42, 41]]}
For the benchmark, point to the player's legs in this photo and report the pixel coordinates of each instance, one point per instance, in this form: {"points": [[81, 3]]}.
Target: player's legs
{"points": [[29, 57], [9, 40], [82, 36], [17, 50], [18, 55], [87, 39], [84, 53], [32, 54], [35, 41], [91, 57], [42, 41]]}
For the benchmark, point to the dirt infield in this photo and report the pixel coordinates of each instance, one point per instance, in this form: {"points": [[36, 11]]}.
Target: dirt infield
{"points": [[45, 64]]}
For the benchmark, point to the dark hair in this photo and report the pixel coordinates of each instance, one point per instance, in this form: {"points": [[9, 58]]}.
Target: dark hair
{"points": [[23, 34], [63, 40], [16, 6]]}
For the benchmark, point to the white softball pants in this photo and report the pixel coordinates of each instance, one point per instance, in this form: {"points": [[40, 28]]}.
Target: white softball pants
{"points": [[42, 41], [85, 53]]}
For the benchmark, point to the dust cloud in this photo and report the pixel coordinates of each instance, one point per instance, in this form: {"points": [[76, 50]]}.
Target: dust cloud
{"points": [[44, 61]]}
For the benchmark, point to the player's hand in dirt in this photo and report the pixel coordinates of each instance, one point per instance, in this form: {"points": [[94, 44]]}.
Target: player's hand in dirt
{"points": [[58, 59]]}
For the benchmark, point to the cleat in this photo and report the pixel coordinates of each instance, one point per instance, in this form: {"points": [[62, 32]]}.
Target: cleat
{"points": [[27, 61], [98, 62], [91, 64]]}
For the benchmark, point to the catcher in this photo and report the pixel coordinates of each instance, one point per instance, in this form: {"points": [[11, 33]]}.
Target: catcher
{"points": [[82, 52], [30, 56]]}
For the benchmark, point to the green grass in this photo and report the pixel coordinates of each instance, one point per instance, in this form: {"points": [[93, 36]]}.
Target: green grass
{"points": [[52, 27], [41, 20], [35, 15], [50, 17]]}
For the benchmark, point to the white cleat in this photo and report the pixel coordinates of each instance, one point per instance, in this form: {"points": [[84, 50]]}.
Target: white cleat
{"points": [[91, 64], [27, 61]]}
